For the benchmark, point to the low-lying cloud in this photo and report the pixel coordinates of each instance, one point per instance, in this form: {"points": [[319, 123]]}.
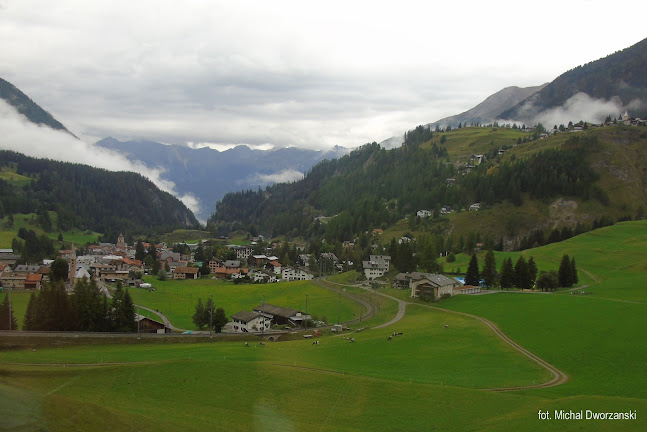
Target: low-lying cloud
{"points": [[284, 176], [578, 107], [23, 136]]}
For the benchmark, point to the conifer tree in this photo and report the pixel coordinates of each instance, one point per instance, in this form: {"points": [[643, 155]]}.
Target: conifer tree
{"points": [[7, 318], [489, 269], [507, 274], [198, 316], [31, 319], [472, 275], [532, 267], [522, 274], [565, 274]]}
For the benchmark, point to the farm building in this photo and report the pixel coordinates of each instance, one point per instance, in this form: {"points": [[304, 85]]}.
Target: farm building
{"points": [[281, 315], [432, 285], [149, 325], [467, 289]]}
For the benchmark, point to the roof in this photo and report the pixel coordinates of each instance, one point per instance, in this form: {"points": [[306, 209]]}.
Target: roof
{"points": [[276, 310], [24, 268], [34, 277], [436, 279], [190, 270], [245, 316]]}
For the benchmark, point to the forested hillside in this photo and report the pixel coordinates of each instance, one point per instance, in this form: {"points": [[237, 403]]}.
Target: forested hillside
{"points": [[375, 188], [87, 198], [25, 106]]}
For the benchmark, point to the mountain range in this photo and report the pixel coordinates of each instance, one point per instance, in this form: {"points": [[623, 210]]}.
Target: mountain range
{"points": [[209, 174]]}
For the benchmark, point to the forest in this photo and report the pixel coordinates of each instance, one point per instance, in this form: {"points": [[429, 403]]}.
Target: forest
{"points": [[89, 198]]}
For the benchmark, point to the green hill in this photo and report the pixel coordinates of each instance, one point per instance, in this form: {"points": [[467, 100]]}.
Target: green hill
{"points": [[66, 197], [570, 180]]}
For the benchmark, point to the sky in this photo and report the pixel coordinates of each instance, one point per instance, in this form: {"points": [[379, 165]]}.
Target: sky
{"points": [[291, 73]]}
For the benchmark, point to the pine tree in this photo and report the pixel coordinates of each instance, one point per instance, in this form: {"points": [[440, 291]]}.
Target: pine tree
{"points": [[532, 267], [522, 274], [507, 274], [489, 269], [7, 318], [565, 274], [472, 275], [31, 319]]}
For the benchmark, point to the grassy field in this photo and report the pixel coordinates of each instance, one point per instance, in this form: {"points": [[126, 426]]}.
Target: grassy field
{"points": [[430, 378], [29, 221], [177, 299]]}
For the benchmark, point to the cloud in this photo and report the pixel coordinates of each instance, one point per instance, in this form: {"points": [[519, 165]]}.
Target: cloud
{"points": [[284, 176], [23, 136], [578, 107]]}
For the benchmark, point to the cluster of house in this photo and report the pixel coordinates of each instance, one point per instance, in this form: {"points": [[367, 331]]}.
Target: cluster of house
{"points": [[431, 285], [262, 317]]}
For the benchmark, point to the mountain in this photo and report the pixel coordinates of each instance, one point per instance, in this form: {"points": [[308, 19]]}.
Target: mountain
{"points": [[209, 174], [489, 110], [88, 198], [620, 78], [486, 112], [25, 106], [565, 182]]}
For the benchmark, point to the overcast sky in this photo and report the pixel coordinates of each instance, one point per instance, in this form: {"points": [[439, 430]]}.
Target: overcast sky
{"points": [[291, 73]]}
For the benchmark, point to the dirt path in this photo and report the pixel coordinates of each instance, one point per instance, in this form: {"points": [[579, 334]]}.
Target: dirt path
{"points": [[559, 377]]}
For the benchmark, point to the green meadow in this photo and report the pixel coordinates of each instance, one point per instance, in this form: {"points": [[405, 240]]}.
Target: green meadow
{"points": [[176, 299], [431, 377]]}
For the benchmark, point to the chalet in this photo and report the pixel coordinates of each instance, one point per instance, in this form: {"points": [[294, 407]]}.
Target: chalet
{"points": [[186, 273], [258, 260], [329, 256], [233, 273], [450, 181], [274, 266], [281, 315], [86, 260], [249, 322], [431, 285], [132, 265], [262, 276], [295, 273], [423, 213], [170, 256], [378, 231], [475, 206]]}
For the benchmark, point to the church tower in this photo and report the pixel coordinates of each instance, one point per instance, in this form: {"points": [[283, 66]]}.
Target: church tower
{"points": [[72, 267], [121, 244]]}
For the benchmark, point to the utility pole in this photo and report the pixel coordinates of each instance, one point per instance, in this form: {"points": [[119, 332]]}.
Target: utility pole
{"points": [[306, 317], [339, 307], [263, 313]]}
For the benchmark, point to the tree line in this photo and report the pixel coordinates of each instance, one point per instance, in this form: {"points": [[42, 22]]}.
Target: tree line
{"points": [[86, 309], [523, 274]]}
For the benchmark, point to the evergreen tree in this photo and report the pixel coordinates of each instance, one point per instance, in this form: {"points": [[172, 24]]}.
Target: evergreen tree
{"points": [[7, 318], [472, 275], [532, 267], [140, 251], [547, 281], [31, 319], [507, 274], [522, 274], [489, 269], [574, 276], [565, 274], [123, 311]]}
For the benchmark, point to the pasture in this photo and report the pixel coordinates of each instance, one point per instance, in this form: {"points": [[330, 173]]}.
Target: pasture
{"points": [[431, 377], [177, 299]]}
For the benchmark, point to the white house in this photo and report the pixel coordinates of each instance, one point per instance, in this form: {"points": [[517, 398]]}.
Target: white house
{"points": [[423, 213], [249, 322], [376, 266], [295, 273]]}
